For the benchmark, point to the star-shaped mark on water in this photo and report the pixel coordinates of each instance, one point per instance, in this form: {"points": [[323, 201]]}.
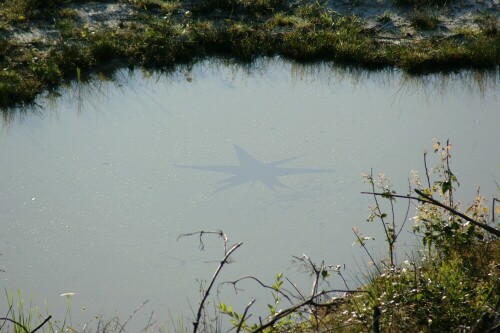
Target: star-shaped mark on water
{"points": [[253, 170]]}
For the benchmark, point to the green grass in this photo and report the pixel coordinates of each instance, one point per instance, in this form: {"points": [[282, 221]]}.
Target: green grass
{"points": [[385, 17], [426, 294], [164, 33], [489, 24], [422, 3], [22, 314], [424, 20], [22, 10], [66, 27]]}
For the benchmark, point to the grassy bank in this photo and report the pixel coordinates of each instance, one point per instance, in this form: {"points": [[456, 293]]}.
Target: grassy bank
{"points": [[43, 43]]}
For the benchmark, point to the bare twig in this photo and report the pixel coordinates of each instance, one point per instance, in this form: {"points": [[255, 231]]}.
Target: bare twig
{"points": [[362, 243], [207, 292], [244, 315], [149, 324], [201, 233], [302, 297], [314, 289], [393, 237], [259, 282], [407, 211], [98, 326], [427, 170], [448, 171], [15, 322], [23, 327], [388, 234], [113, 320], [317, 271], [39, 326], [343, 279], [8, 312], [493, 212], [377, 205], [132, 315]]}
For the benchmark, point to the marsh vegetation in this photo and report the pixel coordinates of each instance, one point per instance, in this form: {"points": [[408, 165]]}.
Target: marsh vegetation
{"points": [[44, 43]]}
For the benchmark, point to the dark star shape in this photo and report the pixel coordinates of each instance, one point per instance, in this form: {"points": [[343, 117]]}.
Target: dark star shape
{"points": [[253, 170]]}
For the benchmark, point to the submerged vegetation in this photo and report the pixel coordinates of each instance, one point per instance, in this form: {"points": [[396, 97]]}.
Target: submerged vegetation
{"points": [[43, 43], [449, 283]]}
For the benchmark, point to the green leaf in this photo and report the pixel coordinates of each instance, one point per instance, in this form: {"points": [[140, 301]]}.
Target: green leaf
{"points": [[222, 307], [387, 194], [446, 186]]}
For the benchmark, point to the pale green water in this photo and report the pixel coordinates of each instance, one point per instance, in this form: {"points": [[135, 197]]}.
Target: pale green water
{"points": [[95, 188]]}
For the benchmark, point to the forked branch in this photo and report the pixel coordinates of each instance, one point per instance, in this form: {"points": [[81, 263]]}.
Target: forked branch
{"points": [[227, 254], [249, 277]]}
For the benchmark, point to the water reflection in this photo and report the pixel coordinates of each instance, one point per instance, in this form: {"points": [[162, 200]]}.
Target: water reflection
{"points": [[429, 87], [252, 170], [91, 90]]}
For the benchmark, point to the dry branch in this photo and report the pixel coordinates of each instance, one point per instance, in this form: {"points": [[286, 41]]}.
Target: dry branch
{"points": [[23, 327], [227, 254], [259, 282], [310, 301], [243, 317], [427, 199]]}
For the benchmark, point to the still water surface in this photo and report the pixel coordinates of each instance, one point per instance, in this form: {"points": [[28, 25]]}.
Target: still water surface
{"points": [[97, 185]]}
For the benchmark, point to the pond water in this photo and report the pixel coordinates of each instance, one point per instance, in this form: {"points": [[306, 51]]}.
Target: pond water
{"points": [[98, 183]]}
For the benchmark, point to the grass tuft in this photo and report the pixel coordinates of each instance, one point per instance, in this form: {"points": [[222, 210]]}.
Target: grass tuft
{"points": [[489, 24], [424, 20], [385, 17]]}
